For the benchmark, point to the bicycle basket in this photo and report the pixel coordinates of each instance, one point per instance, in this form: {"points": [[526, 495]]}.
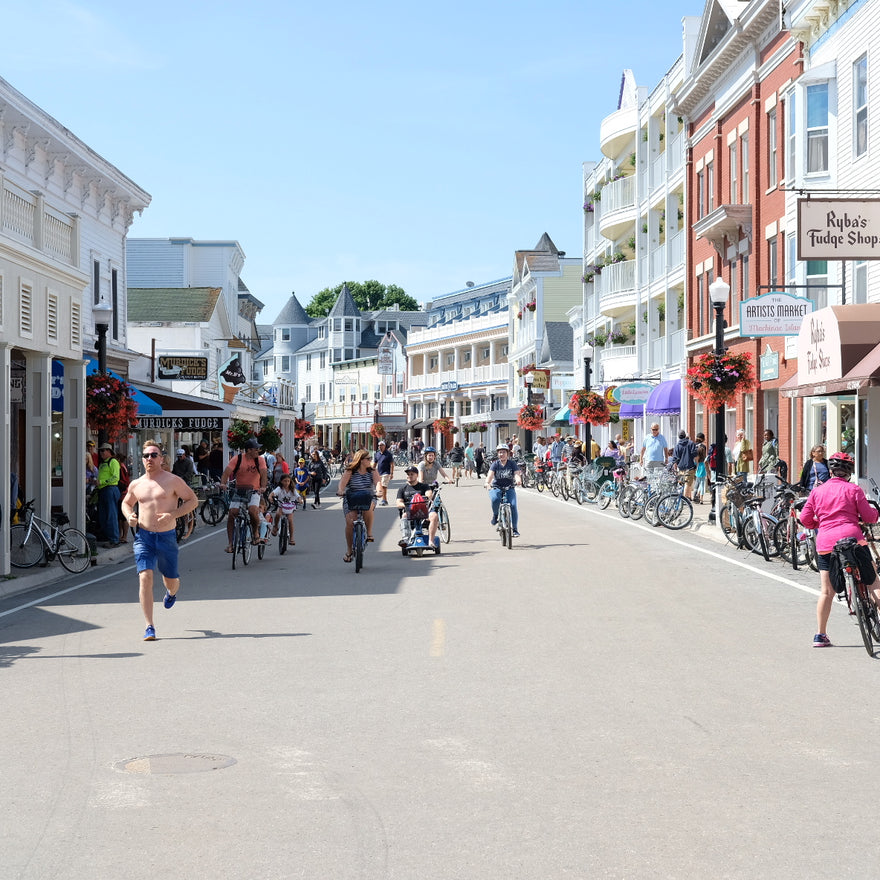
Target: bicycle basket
{"points": [[359, 500], [739, 492], [418, 507]]}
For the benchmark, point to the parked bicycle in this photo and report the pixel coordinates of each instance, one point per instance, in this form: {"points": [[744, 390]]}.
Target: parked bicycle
{"points": [[36, 540]]}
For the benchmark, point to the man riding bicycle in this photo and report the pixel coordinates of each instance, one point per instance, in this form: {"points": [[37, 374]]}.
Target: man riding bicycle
{"points": [[248, 470], [503, 474]]}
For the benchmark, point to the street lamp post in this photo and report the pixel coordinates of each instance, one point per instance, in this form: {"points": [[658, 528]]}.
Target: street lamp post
{"points": [[587, 355], [529, 379], [101, 312], [719, 290]]}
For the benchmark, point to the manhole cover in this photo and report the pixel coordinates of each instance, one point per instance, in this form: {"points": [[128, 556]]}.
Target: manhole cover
{"points": [[182, 763]]}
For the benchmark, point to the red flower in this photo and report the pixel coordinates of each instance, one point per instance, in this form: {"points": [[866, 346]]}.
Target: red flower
{"points": [[590, 406], [110, 406]]}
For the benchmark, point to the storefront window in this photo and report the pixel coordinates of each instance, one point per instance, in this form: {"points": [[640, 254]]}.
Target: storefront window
{"points": [[848, 428], [862, 451]]}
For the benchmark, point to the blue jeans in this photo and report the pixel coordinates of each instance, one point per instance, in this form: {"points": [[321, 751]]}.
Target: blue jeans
{"points": [[495, 498], [108, 512]]}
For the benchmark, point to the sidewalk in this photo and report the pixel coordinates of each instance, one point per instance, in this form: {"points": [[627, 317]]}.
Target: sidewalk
{"points": [[21, 580]]}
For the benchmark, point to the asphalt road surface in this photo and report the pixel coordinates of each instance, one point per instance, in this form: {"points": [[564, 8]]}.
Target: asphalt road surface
{"points": [[606, 700]]}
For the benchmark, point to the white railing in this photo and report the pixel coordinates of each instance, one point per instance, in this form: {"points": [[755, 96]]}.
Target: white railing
{"points": [[658, 171], [677, 346], [658, 262], [619, 276], [18, 214], [471, 376], [360, 409], [48, 230], [676, 250], [619, 194], [420, 335], [676, 157], [57, 235]]}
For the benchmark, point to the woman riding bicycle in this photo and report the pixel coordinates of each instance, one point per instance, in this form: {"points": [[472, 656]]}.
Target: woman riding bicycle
{"points": [[359, 477], [503, 474], [835, 508]]}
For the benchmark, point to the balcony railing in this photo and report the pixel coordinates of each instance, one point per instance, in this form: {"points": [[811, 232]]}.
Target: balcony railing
{"points": [[470, 376], [359, 409], [619, 194], [419, 335], [619, 276], [24, 216]]}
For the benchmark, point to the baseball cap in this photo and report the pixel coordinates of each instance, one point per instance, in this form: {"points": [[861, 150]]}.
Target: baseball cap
{"points": [[181, 452], [106, 446], [412, 469], [253, 443]]}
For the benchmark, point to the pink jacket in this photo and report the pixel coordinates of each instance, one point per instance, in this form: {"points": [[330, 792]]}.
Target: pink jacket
{"points": [[835, 508]]}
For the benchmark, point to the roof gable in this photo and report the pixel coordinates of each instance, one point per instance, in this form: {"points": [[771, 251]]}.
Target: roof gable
{"points": [[174, 305]]}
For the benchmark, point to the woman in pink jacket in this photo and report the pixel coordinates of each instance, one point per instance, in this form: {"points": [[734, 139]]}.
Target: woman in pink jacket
{"points": [[835, 508]]}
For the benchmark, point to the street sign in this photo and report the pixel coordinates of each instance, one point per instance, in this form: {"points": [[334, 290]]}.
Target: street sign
{"points": [[188, 368], [769, 365], [449, 386], [773, 314]]}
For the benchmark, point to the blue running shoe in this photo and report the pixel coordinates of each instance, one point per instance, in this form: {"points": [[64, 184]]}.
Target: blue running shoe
{"points": [[493, 521], [821, 641], [169, 600], [515, 533], [150, 634]]}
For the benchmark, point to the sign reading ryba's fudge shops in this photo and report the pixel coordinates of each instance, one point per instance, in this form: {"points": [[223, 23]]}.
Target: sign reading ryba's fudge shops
{"points": [[838, 229]]}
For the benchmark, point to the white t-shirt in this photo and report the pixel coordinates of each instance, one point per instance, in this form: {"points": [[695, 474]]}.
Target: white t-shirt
{"points": [[286, 499]]}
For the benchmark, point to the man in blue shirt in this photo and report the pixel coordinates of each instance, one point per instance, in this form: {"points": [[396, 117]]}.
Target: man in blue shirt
{"points": [[384, 461], [655, 449]]}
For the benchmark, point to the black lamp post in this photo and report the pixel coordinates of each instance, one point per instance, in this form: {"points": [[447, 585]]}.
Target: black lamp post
{"points": [[587, 355], [719, 290], [529, 379], [101, 312]]}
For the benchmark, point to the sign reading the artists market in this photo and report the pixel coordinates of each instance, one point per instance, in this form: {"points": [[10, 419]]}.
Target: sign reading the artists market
{"points": [[773, 314], [188, 368], [838, 229]]}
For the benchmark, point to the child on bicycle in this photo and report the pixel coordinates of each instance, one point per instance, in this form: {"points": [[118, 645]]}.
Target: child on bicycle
{"points": [[301, 480], [265, 520], [285, 497]]}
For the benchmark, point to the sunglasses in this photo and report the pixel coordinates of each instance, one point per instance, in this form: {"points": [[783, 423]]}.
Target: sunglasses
{"points": [[151, 454]]}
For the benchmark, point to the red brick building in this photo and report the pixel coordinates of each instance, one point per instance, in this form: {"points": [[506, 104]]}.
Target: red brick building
{"points": [[732, 102]]}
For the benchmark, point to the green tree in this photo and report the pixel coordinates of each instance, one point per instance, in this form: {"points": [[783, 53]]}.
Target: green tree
{"points": [[368, 296]]}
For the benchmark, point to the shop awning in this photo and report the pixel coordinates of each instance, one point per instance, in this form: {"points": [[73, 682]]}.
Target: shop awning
{"points": [[665, 399], [631, 410], [183, 413], [561, 417], [504, 415], [864, 374], [145, 404]]}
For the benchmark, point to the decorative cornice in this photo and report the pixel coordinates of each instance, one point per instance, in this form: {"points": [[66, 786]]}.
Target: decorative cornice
{"points": [[727, 221]]}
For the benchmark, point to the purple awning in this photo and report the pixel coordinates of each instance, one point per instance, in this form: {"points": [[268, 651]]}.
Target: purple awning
{"points": [[665, 399], [631, 410]]}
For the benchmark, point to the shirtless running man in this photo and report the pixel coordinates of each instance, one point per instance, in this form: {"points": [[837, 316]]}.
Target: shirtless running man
{"points": [[156, 494]]}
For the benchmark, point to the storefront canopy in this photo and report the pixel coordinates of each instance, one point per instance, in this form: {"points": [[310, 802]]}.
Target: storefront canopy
{"points": [[837, 352], [561, 417], [145, 404], [665, 399], [631, 410]]}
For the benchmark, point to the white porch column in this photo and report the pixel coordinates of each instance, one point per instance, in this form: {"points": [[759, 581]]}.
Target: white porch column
{"points": [[74, 443], [5, 453], [38, 432]]}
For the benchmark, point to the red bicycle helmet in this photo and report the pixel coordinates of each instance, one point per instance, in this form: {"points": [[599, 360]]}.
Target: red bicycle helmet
{"points": [[841, 461]]}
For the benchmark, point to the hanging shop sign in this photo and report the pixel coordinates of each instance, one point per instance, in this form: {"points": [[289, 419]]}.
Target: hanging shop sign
{"points": [[540, 380], [769, 365], [180, 423], [611, 400], [773, 314], [170, 367], [449, 386], [635, 393], [838, 229]]}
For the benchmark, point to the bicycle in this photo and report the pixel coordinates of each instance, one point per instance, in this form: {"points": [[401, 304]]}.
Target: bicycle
{"points": [[444, 524], [673, 509], [359, 502], [185, 524], [241, 526], [35, 539], [792, 540], [505, 521], [860, 603], [214, 508]]}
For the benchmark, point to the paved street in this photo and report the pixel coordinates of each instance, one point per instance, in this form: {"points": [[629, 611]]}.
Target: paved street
{"points": [[605, 700]]}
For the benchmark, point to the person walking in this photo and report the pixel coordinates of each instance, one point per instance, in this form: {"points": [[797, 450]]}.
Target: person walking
{"points": [[685, 457], [108, 495], [742, 453], [469, 462], [655, 449], [815, 470], [384, 463], [700, 471], [317, 473], [836, 508], [183, 467], [161, 498], [480, 458], [769, 453]]}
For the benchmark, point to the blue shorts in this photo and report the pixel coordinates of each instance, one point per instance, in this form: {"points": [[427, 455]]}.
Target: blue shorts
{"points": [[156, 548]]}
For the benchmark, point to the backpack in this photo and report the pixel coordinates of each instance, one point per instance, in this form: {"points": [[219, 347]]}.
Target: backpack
{"points": [[712, 463], [124, 479], [418, 506]]}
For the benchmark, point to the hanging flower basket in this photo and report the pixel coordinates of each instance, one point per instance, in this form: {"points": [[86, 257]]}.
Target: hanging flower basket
{"points": [[532, 305], [110, 406], [443, 426], [590, 406], [531, 417], [238, 433], [718, 379], [302, 429], [377, 430], [270, 437], [519, 314]]}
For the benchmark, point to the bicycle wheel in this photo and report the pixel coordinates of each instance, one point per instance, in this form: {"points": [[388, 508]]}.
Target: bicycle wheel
{"points": [[282, 537], [729, 521], [261, 550], [540, 485], [73, 550], [506, 527], [754, 538], [675, 511], [623, 500], [244, 538], [213, 510], [791, 548], [860, 601], [563, 488], [444, 524], [358, 539], [25, 550], [606, 493], [652, 518], [812, 555], [637, 502], [554, 484]]}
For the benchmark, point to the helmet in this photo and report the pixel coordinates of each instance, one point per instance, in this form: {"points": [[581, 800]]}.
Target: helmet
{"points": [[842, 462], [429, 449], [501, 446]]}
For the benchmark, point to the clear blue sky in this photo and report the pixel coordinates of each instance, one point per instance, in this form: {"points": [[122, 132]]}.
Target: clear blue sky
{"points": [[418, 145]]}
